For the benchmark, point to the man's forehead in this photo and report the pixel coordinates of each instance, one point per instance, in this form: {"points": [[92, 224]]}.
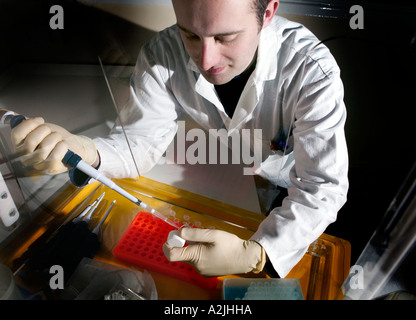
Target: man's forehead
{"points": [[224, 33], [215, 5], [213, 17]]}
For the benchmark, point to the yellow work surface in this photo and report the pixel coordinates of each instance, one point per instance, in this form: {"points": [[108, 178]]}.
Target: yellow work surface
{"points": [[321, 272]]}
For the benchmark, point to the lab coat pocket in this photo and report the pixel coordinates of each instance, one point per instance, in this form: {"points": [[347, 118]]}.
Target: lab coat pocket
{"points": [[277, 160], [279, 145]]}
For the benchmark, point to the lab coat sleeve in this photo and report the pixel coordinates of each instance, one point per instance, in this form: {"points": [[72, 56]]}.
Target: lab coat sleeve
{"points": [[148, 119], [318, 178]]}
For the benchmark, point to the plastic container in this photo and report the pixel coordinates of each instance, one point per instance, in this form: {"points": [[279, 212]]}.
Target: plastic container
{"points": [[8, 288], [262, 289]]}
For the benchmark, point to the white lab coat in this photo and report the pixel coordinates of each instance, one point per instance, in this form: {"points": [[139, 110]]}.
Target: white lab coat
{"points": [[295, 92]]}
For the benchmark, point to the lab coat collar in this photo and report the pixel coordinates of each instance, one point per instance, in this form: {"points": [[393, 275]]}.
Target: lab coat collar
{"points": [[207, 91], [192, 66], [266, 68]]}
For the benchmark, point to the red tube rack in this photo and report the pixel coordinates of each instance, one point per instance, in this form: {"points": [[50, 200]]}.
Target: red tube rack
{"points": [[141, 245]]}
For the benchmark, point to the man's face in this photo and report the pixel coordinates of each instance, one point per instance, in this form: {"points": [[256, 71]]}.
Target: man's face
{"points": [[221, 36]]}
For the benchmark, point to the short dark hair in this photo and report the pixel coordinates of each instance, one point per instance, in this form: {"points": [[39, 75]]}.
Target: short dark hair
{"points": [[260, 8]]}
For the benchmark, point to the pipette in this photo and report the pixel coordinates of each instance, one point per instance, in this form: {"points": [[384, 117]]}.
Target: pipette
{"points": [[74, 161]]}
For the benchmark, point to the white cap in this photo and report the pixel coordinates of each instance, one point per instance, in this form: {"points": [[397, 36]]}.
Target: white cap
{"points": [[175, 240]]}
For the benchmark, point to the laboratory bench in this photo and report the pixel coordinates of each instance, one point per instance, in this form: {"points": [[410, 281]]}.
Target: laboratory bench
{"points": [[321, 272]]}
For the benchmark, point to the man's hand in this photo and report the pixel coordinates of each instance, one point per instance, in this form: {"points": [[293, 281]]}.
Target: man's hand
{"points": [[217, 253], [43, 145]]}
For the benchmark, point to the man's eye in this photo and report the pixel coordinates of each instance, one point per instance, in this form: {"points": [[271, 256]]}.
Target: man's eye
{"points": [[226, 39], [192, 37]]}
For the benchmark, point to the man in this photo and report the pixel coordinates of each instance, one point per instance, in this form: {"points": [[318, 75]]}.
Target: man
{"points": [[280, 80]]}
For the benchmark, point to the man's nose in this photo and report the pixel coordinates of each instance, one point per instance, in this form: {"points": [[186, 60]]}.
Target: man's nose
{"points": [[210, 54]]}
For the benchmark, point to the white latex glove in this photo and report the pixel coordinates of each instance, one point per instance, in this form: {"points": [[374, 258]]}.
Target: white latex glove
{"points": [[43, 145], [217, 253]]}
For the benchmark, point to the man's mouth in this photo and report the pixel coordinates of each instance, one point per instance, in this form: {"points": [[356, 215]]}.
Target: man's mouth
{"points": [[215, 70]]}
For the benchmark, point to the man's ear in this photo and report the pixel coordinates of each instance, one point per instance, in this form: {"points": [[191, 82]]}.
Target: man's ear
{"points": [[270, 12]]}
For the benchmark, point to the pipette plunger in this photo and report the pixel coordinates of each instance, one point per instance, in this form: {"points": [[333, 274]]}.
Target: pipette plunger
{"points": [[75, 161]]}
